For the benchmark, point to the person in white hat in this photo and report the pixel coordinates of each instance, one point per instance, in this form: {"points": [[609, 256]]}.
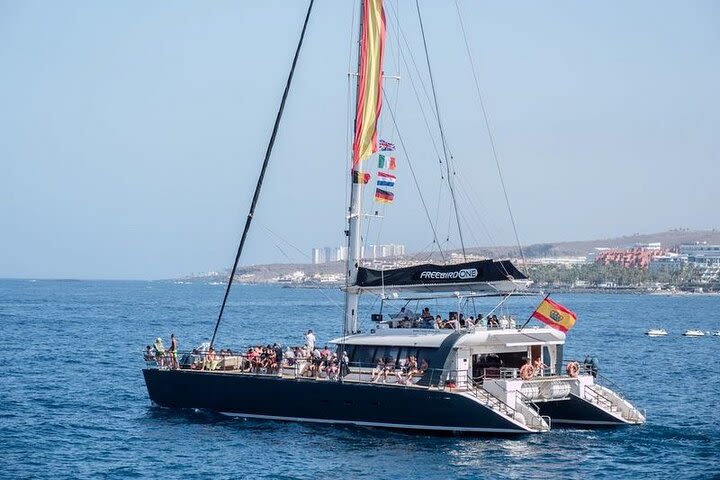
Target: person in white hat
{"points": [[160, 352]]}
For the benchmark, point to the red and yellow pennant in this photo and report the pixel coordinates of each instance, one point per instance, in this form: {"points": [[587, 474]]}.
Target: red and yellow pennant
{"points": [[555, 315], [369, 94]]}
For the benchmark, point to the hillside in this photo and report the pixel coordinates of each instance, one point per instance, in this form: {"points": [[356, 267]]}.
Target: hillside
{"points": [[271, 272], [670, 238]]}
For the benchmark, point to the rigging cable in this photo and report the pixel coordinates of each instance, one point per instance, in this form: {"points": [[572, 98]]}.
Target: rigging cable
{"points": [[442, 131], [415, 180], [268, 152], [489, 131], [302, 255], [348, 131]]}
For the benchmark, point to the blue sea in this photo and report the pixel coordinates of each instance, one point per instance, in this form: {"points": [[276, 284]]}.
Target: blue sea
{"points": [[73, 402]]}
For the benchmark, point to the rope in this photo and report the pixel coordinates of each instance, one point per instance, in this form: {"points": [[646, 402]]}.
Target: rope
{"points": [[489, 132], [440, 126], [415, 180], [303, 254]]}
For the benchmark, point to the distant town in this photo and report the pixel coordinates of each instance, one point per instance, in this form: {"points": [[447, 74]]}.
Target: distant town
{"points": [[677, 261]]}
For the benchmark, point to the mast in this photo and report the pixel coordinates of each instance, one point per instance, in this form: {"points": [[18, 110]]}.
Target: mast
{"points": [[367, 111]]}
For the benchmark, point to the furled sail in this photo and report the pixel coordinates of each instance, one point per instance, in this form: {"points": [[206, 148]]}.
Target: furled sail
{"points": [[369, 93], [483, 275]]}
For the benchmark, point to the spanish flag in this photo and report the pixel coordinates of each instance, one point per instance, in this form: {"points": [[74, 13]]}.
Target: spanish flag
{"points": [[555, 315]]}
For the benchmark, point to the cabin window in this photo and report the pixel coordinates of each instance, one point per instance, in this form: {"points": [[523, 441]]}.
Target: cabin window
{"points": [[558, 359], [368, 355], [364, 355], [547, 358]]}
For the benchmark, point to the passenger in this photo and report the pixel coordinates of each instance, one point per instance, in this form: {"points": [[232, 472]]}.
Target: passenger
{"points": [[159, 352], [453, 323], [316, 363], [479, 320], [195, 359], [173, 351], [289, 357], [148, 354], [211, 360], [379, 371], [527, 371], [332, 368], [426, 314], [461, 321], [439, 322], [406, 322], [423, 367], [344, 364], [310, 340], [411, 369], [538, 366], [470, 322], [278, 357], [511, 322], [504, 322]]}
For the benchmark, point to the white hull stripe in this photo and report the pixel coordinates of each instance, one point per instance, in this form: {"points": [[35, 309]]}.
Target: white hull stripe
{"points": [[587, 422], [380, 424]]}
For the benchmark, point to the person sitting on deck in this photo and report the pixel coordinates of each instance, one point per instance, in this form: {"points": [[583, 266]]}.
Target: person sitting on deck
{"points": [[453, 323], [411, 369], [439, 322], [289, 357], [380, 370], [332, 367], [426, 314], [148, 354], [470, 322], [423, 367], [325, 353], [195, 359], [211, 359], [159, 352]]}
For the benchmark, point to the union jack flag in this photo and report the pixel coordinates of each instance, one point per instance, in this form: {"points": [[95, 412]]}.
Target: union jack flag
{"points": [[386, 146]]}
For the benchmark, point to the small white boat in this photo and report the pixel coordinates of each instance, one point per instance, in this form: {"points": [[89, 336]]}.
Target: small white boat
{"points": [[716, 333], [694, 333], [656, 332]]}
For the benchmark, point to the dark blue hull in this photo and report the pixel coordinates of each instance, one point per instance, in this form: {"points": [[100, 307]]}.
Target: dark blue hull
{"points": [[270, 397], [576, 411]]}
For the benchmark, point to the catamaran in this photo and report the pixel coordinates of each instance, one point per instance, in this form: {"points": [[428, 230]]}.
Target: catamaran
{"points": [[411, 371]]}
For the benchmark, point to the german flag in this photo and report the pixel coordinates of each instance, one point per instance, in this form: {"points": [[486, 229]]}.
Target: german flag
{"points": [[383, 196], [555, 315]]}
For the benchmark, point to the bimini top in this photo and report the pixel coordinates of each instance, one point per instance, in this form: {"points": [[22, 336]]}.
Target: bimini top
{"points": [[481, 276]]}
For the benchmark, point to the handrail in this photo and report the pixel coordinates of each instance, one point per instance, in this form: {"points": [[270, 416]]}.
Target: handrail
{"points": [[600, 396]]}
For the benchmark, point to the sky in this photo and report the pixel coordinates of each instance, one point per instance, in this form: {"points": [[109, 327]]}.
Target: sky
{"points": [[132, 133]]}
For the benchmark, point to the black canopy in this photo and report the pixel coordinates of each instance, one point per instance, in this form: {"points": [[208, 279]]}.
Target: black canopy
{"points": [[463, 276]]}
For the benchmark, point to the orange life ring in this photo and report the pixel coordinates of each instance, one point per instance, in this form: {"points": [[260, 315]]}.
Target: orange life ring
{"points": [[527, 372], [573, 368]]}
